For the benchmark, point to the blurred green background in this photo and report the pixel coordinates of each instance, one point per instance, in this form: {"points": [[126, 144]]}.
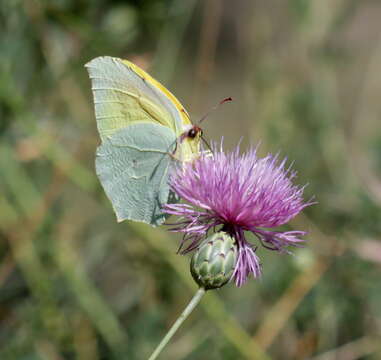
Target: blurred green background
{"points": [[305, 77]]}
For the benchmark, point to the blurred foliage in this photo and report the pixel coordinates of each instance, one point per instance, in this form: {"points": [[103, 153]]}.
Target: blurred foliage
{"points": [[305, 77]]}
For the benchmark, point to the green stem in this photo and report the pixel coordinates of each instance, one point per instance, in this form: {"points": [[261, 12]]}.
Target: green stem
{"points": [[192, 304]]}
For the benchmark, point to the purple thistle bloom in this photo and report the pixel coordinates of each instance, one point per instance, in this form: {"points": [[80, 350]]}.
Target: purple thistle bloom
{"points": [[242, 193]]}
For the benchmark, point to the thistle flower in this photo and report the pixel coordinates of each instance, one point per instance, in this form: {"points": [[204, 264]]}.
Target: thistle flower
{"points": [[238, 193]]}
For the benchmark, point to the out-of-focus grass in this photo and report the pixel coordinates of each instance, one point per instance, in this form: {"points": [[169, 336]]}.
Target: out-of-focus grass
{"points": [[305, 78]]}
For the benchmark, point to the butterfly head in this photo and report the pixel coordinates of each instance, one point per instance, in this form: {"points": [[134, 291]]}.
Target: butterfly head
{"points": [[191, 137], [188, 147], [194, 132]]}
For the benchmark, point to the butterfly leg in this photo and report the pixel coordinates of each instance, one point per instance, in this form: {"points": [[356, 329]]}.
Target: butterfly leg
{"points": [[172, 154]]}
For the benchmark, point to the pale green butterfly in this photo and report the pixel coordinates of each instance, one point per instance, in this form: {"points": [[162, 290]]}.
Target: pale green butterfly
{"points": [[143, 128]]}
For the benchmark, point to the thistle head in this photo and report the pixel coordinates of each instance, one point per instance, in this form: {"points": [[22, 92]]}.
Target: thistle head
{"points": [[237, 193]]}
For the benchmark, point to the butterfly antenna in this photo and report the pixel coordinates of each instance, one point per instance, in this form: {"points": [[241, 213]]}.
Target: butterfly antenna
{"points": [[207, 144], [214, 108]]}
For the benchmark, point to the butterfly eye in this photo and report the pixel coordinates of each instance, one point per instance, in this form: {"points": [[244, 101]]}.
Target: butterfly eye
{"points": [[192, 133]]}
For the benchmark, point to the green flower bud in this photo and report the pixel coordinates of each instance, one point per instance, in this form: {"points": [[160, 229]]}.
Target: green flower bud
{"points": [[213, 263]]}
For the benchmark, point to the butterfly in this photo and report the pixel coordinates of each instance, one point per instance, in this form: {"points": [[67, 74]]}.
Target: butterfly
{"points": [[144, 131]]}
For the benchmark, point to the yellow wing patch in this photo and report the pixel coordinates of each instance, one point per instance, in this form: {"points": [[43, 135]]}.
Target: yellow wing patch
{"points": [[183, 113]]}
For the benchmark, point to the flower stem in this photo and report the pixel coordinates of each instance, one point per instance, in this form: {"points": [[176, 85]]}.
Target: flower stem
{"points": [[192, 304]]}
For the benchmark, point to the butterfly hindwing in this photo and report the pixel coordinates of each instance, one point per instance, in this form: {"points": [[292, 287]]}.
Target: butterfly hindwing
{"points": [[133, 166]]}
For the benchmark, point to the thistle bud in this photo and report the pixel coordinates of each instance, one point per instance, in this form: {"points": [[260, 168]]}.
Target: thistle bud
{"points": [[213, 263]]}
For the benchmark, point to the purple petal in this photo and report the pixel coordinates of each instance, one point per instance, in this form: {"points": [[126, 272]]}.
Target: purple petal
{"points": [[247, 263]]}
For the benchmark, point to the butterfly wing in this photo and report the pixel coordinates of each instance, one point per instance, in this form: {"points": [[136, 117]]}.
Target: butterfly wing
{"points": [[133, 166], [124, 94], [135, 111]]}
